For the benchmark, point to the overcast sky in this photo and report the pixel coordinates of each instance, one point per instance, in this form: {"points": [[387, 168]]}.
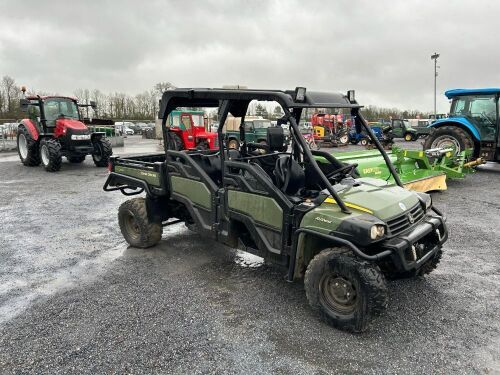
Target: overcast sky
{"points": [[379, 48]]}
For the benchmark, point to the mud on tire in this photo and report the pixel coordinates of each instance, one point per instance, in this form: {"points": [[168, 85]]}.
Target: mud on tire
{"points": [[135, 226], [431, 264], [102, 152], [50, 154], [347, 292], [29, 154]]}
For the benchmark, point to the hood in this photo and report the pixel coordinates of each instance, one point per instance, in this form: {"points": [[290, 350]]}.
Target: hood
{"points": [[376, 197], [70, 124]]}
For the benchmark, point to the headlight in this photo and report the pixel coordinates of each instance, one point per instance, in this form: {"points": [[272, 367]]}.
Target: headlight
{"points": [[80, 137], [377, 231], [425, 199], [428, 203]]}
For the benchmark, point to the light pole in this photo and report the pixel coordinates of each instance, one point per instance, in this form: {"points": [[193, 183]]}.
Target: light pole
{"points": [[435, 58]]}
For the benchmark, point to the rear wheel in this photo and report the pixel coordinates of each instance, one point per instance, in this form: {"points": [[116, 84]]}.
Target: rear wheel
{"points": [[135, 226], [27, 148], [174, 142], [347, 292], [102, 152], [449, 137], [344, 139], [50, 154], [76, 159]]}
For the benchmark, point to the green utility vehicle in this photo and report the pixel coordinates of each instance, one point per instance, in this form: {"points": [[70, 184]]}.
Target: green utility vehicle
{"points": [[255, 131], [341, 234], [402, 129]]}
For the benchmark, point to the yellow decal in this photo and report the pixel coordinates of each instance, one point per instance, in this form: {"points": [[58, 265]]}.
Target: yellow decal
{"points": [[373, 170], [351, 205]]}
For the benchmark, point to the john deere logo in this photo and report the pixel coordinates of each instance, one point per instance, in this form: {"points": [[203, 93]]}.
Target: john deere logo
{"points": [[411, 219], [402, 206]]}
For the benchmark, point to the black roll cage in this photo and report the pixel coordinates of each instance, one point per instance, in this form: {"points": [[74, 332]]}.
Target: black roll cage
{"points": [[236, 101]]}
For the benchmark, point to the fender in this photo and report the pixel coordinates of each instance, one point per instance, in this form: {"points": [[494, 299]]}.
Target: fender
{"points": [[460, 122], [32, 129]]}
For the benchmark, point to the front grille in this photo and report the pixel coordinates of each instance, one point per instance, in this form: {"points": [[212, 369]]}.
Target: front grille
{"points": [[404, 221]]}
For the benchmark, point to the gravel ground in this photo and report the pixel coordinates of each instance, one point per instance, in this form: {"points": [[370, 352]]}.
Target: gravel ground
{"points": [[75, 299]]}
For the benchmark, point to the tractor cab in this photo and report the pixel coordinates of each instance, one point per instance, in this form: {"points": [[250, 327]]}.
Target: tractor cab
{"points": [[473, 123], [187, 131]]}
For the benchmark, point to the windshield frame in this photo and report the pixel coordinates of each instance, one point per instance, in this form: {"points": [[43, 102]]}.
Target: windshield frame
{"points": [[65, 113]]}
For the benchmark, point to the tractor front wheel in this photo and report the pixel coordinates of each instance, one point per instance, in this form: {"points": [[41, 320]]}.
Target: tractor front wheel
{"points": [[408, 137], [174, 142], [449, 137], [27, 148], [363, 142], [50, 154], [135, 225], [102, 152], [346, 291]]}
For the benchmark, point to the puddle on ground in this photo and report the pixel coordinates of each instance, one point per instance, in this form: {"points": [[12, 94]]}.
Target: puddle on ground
{"points": [[248, 260]]}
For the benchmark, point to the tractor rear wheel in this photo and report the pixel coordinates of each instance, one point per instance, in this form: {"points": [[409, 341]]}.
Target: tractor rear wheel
{"points": [[346, 291], [174, 142], [76, 159], [135, 225], [102, 152], [50, 154], [27, 148], [449, 136]]}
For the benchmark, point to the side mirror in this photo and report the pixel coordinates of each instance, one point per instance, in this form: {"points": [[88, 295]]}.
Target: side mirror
{"points": [[24, 103], [93, 104]]}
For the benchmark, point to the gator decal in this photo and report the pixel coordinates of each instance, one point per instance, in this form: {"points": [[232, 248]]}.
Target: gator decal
{"points": [[262, 209], [195, 191], [151, 177]]}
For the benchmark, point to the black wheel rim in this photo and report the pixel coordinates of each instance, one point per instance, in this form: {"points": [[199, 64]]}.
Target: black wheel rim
{"points": [[338, 294], [131, 225]]}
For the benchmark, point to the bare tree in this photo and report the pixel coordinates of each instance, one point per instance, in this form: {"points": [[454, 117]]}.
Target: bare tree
{"points": [[8, 84]]}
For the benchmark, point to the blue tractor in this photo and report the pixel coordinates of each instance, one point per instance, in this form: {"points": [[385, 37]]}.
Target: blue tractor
{"points": [[473, 123]]}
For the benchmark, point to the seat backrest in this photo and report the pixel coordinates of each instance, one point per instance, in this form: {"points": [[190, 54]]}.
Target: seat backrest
{"points": [[290, 177], [275, 138]]}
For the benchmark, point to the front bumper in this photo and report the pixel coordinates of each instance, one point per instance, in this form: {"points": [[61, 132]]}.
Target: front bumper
{"points": [[409, 251]]}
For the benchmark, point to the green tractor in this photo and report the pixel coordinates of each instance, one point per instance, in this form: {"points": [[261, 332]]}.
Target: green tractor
{"points": [[341, 234]]}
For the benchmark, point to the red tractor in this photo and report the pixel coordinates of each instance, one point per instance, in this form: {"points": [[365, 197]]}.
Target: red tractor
{"points": [[186, 130], [54, 129]]}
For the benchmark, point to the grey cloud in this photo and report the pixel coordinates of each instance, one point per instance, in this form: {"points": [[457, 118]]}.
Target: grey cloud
{"points": [[380, 48]]}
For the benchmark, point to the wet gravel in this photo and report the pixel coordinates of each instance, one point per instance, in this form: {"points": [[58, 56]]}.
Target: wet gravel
{"points": [[75, 299]]}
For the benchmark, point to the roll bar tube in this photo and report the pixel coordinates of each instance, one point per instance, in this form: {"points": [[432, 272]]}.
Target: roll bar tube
{"points": [[309, 156], [381, 149]]}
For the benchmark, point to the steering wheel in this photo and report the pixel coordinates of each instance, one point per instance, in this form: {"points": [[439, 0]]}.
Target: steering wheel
{"points": [[342, 171]]}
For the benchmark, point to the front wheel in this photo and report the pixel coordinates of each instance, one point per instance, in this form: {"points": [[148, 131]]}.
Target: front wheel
{"points": [[233, 144], [449, 137], [102, 152], [50, 154], [344, 139], [27, 148], [408, 137], [135, 225], [347, 292], [363, 142]]}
